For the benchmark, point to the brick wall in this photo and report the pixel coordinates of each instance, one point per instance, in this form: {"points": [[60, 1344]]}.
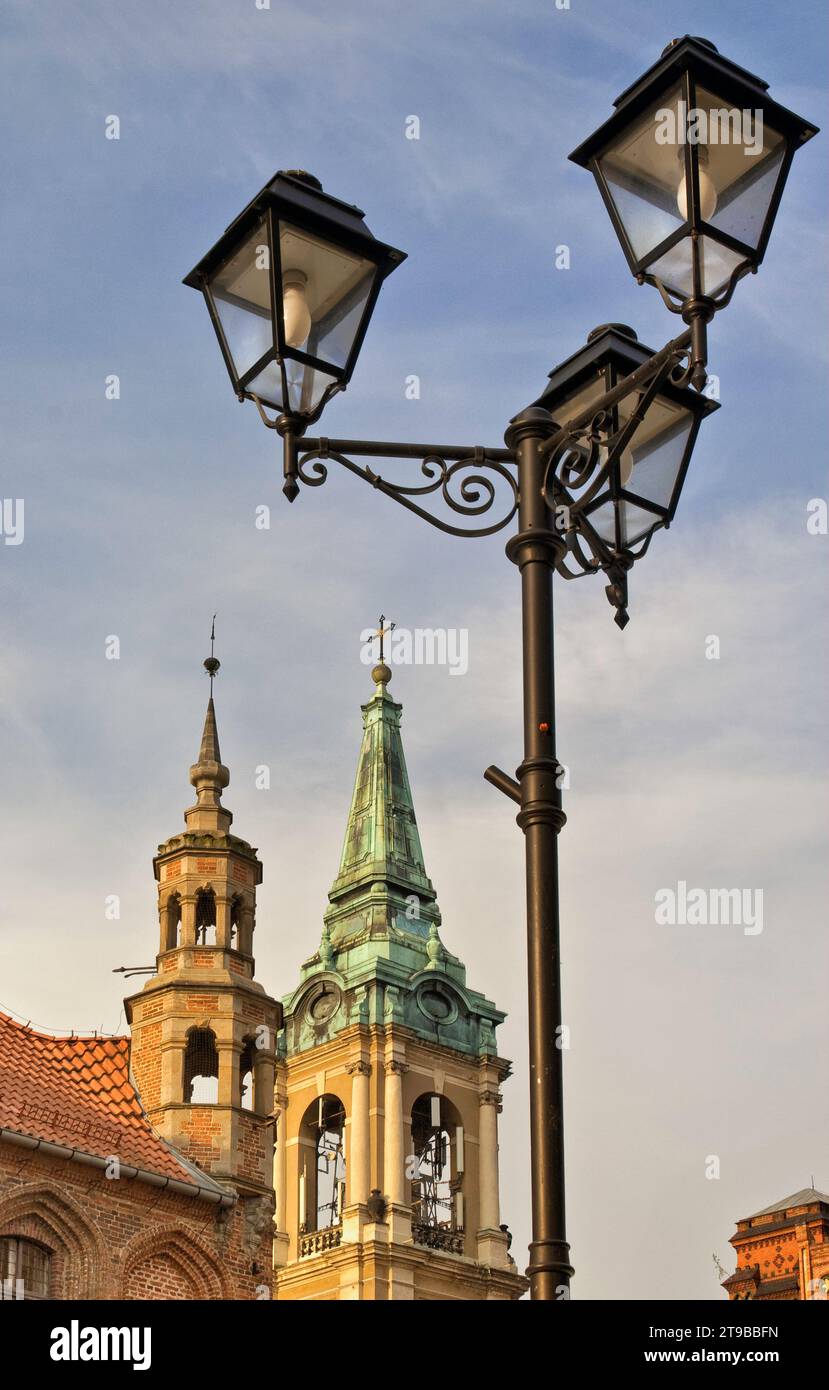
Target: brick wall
{"points": [[158, 1277], [251, 1148], [146, 1062], [199, 1135], [118, 1238]]}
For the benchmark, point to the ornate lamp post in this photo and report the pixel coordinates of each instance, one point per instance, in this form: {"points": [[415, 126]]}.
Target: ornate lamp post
{"points": [[691, 167]]}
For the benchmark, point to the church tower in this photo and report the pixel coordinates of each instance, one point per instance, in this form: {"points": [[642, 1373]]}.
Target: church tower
{"points": [[388, 1077], [203, 1030]]}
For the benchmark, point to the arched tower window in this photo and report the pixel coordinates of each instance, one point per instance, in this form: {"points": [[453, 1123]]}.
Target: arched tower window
{"points": [[24, 1269], [236, 923], [172, 922], [437, 1185], [247, 1060], [201, 1068], [322, 1165], [206, 917]]}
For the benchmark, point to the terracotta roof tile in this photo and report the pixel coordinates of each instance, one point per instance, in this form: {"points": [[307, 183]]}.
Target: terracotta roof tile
{"points": [[77, 1092]]}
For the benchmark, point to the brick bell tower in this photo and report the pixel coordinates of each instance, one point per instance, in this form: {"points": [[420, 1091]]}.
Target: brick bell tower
{"points": [[388, 1076], [203, 1029]]}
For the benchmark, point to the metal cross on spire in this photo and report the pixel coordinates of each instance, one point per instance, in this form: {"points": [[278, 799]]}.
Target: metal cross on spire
{"points": [[381, 632], [212, 664]]}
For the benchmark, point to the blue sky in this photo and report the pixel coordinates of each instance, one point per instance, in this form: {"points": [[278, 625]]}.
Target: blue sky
{"points": [[140, 523]]}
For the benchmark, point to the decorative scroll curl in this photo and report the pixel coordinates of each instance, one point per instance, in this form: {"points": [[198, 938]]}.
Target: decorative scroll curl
{"points": [[492, 485]]}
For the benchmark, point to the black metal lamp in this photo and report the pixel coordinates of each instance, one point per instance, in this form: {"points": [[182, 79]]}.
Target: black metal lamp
{"points": [[692, 167], [626, 475], [291, 286]]}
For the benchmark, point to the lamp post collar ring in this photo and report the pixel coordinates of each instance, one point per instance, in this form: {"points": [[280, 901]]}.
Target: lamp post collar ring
{"points": [[533, 423]]}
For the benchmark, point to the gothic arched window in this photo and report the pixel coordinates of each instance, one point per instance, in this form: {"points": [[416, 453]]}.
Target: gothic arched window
{"points": [[437, 1173], [247, 1096], [322, 1165], [205, 917], [201, 1068], [236, 923], [172, 936], [24, 1269]]}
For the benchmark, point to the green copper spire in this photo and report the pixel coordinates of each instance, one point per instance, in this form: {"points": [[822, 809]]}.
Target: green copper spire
{"points": [[381, 960], [382, 854]]}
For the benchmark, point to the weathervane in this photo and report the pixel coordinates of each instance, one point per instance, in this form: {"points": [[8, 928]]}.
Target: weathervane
{"points": [[212, 664]]}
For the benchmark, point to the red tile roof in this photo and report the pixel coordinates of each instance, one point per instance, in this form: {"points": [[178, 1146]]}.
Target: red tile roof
{"points": [[77, 1092]]}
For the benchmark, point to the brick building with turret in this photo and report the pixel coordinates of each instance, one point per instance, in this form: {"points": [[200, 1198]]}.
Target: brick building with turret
{"points": [[783, 1251], [142, 1167], [340, 1145]]}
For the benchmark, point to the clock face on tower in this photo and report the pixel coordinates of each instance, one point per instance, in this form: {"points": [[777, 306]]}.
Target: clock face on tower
{"points": [[324, 1003]]}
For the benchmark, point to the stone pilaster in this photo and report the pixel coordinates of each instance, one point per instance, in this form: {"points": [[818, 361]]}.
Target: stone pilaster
{"points": [[358, 1161], [492, 1242], [394, 1153]]}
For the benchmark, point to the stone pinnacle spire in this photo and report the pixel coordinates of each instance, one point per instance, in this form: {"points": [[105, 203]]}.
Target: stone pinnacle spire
{"points": [[209, 775], [209, 751]]}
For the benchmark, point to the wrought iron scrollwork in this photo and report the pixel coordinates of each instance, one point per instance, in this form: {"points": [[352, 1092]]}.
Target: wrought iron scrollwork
{"points": [[581, 457], [473, 482], [470, 494], [493, 485]]}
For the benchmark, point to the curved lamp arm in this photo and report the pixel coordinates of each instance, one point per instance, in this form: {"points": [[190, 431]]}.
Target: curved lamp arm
{"points": [[473, 480]]}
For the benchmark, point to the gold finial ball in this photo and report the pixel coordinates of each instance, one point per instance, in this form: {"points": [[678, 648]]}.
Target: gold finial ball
{"points": [[381, 675]]}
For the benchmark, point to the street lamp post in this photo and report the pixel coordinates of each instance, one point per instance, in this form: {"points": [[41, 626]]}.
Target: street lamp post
{"points": [[591, 471], [536, 549]]}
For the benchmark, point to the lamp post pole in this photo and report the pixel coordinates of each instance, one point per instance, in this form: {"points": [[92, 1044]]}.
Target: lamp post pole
{"points": [[535, 549]]}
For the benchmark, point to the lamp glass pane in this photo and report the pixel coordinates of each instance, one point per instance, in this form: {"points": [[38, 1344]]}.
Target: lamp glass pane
{"points": [[656, 451], [636, 523], [644, 169], [306, 386], [268, 386], [718, 264], [741, 158], [571, 406], [334, 286], [603, 521], [241, 291]]}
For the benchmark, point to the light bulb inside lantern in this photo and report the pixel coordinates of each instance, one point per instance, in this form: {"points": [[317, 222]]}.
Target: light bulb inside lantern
{"points": [[296, 315], [707, 196]]}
